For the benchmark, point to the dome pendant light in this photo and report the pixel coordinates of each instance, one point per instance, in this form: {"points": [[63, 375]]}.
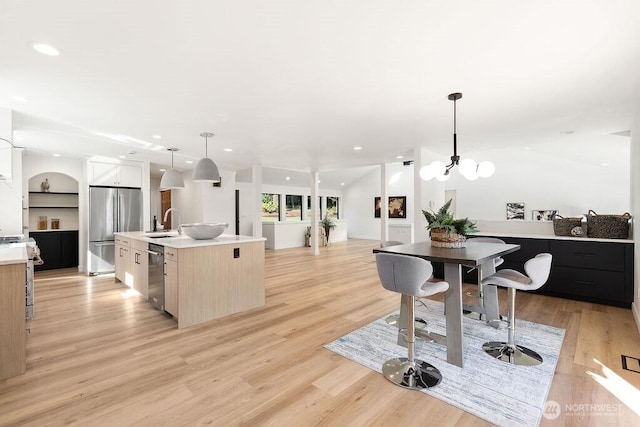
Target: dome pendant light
{"points": [[467, 167], [206, 170], [171, 178]]}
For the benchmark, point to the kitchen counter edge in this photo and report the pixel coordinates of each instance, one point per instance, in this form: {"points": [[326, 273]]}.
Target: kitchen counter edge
{"points": [[181, 242], [547, 236], [13, 253]]}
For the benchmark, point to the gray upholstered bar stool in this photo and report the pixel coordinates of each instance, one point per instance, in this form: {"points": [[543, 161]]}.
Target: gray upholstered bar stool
{"points": [[393, 319], [537, 269], [478, 312], [408, 276]]}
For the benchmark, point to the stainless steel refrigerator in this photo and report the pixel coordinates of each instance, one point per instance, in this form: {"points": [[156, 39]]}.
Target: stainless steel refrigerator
{"points": [[110, 210]]}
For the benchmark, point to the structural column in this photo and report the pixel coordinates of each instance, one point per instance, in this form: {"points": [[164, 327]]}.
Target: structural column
{"points": [[315, 250], [384, 203], [257, 206]]}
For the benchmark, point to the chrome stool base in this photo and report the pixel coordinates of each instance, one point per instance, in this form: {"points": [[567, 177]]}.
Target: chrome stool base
{"points": [[474, 315], [430, 337], [394, 320], [516, 355], [414, 376]]}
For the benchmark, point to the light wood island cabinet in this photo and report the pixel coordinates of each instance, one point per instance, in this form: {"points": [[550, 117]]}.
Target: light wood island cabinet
{"points": [[12, 320], [171, 282], [203, 279], [139, 263], [123, 260]]}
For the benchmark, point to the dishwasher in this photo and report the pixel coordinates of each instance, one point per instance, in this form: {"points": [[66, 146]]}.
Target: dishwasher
{"points": [[156, 276]]}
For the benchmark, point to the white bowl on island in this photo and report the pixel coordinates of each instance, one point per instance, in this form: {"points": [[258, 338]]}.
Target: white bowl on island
{"points": [[204, 231]]}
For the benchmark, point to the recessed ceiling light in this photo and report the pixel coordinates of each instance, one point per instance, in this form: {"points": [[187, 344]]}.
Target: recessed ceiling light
{"points": [[399, 157], [228, 150], [45, 49], [527, 148], [56, 155], [342, 183], [319, 181], [163, 170], [189, 161], [357, 148], [123, 157], [156, 136], [19, 98], [288, 178], [604, 164]]}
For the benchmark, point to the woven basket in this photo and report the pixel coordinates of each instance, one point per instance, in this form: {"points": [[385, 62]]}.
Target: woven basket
{"points": [[608, 226], [440, 238], [562, 226]]}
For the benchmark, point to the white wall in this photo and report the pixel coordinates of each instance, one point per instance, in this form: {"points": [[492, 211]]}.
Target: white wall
{"points": [[247, 199], [11, 215], [543, 181], [358, 200], [533, 177]]}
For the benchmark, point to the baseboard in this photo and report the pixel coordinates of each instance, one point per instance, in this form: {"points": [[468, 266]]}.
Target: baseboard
{"points": [[635, 308]]}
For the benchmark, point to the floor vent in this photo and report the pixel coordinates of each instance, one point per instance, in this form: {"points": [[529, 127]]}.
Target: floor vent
{"points": [[631, 363]]}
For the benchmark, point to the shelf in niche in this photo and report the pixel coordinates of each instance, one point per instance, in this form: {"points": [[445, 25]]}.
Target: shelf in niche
{"points": [[50, 192], [52, 206]]}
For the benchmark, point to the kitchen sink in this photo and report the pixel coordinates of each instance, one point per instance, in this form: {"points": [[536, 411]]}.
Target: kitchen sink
{"points": [[159, 234]]}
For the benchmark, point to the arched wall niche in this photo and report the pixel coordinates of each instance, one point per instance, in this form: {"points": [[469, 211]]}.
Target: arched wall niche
{"points": [[58, 182]]}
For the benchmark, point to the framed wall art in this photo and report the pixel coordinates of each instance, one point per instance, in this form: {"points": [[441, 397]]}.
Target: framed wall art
{"points": [[515, 210], [543, 215], [397, 207]]}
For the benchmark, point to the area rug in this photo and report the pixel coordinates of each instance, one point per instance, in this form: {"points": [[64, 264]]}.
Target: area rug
{"points": [[503, 394]]}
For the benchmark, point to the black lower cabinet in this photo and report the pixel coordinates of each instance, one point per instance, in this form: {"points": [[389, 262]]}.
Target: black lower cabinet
{"points": [[599, 272], [58, 249]]}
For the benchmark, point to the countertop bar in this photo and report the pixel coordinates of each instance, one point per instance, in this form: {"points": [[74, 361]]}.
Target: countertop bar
{"points": [[551, 237], [183, 241], [13, 253]]}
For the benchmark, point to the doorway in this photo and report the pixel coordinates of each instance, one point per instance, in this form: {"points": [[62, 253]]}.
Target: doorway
{"points": [[165, 204]]}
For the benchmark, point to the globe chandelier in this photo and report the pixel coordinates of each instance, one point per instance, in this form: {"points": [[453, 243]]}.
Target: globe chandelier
{"points": [[467, 167]]}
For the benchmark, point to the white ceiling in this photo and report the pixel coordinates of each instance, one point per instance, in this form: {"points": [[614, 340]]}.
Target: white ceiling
{"points": [[296, 85]]}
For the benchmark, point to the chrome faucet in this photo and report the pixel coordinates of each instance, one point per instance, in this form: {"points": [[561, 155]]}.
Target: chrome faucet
{"points": [[166, 214]]}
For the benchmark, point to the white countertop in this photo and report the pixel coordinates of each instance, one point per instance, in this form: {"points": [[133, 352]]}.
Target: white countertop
{"points": [[183, 241], [552, 237], [13, 253]]}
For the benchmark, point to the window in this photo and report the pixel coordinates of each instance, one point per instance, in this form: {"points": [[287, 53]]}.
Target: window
{"points": [[270, 204], [309, 207], [294, 208], [333, 204]]}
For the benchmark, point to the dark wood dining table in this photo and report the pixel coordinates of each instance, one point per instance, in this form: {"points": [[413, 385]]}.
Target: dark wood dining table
{"points": [[475, 254]]}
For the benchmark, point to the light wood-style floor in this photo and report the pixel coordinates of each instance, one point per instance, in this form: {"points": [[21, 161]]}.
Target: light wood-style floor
{"points": [[100, 355]]}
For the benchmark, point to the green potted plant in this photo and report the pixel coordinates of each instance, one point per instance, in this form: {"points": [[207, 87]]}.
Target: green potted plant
{"points": [[445, 230], [327, 223]]}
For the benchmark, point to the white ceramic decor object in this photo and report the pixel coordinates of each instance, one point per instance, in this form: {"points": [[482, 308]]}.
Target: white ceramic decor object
{"points": [[204, 231]]}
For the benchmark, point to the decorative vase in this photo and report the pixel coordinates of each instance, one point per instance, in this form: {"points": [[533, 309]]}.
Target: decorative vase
{"points": [[441, 238]]}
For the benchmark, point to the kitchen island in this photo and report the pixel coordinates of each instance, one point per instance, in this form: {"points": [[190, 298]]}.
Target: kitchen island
{"points": [[13, 260], [203, 279]]}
